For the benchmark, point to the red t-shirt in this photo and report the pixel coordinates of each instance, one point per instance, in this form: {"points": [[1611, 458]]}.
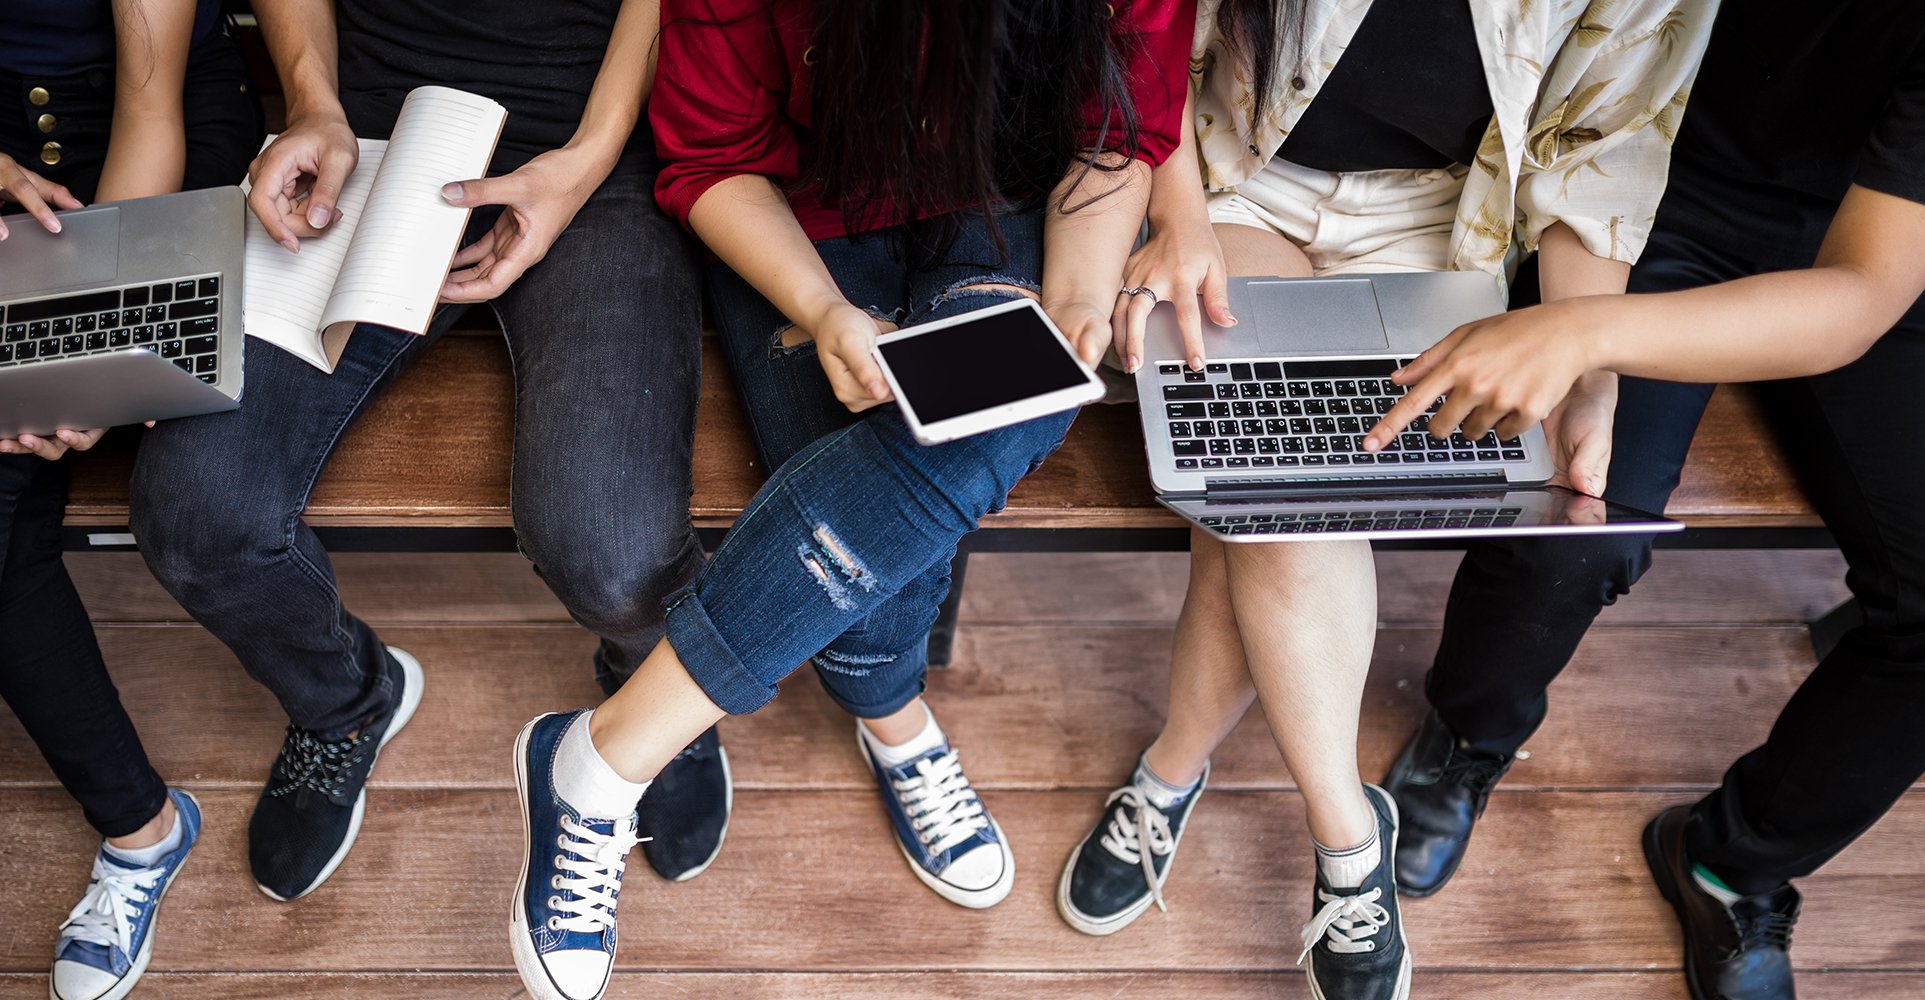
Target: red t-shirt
{"points": [[732, 91]]}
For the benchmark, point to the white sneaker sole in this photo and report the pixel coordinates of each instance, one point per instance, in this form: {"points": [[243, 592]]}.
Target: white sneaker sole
{"points": [[1402, 992], [410, 700], [974, 899], [534, 975], [139, 966], [1104, 927], [728, 815]]}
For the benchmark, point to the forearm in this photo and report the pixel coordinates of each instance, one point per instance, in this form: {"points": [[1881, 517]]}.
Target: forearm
{"points": [[627, 72], [147, 147], [747, 223], [1092, 222], [1176, 184], [300, 37]]}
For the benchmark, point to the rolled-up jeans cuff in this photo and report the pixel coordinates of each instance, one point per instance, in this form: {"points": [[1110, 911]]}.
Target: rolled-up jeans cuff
{"points": [[709, 660], [878, 704]]}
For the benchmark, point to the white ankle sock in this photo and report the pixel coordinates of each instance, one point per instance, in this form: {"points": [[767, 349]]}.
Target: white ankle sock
{"points": [[896, 755], [586, 782], [1347, 869], [1162, 794], [148, 857]]}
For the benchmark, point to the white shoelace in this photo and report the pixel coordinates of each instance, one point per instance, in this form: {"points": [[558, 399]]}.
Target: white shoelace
{"points": [[106, 914], [1349, 921], [1125, 840], [942, 807], [593, 862]]}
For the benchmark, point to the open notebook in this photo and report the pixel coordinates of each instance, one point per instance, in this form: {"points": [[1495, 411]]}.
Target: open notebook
{"points": [[384, 260]]}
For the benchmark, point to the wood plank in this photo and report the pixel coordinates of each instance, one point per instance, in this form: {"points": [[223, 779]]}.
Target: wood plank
{"points": [[1710, 586], [1031, 707], [1812, 984], [1555, 880], [429, 452], [1707, 586]]}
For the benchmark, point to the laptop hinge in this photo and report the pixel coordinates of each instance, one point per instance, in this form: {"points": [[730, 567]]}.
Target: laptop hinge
{"points": [[1354, 485]]}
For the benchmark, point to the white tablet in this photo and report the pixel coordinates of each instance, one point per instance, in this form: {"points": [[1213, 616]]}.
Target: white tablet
{"points": [[987, 369]]}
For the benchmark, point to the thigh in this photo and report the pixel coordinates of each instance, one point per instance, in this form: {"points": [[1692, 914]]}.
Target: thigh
{"points": [[1255, 250], [606, 337], [1002, 264], [222, 114], [787, 397]]}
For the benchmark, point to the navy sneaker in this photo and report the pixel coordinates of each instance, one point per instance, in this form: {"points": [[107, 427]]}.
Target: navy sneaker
{"points": [[562, 918], [950, 841], [1119, 869], [310, 811], [107, 940], [685, 812], [1355, 940]]}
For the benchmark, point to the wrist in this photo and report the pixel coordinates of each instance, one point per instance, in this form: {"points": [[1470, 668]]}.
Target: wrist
{"points": [[318, 110], [596, 151]]}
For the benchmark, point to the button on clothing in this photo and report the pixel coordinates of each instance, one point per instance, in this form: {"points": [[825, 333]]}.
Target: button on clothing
{"points": [[1408, 93], [843, 557], [50, 153]]}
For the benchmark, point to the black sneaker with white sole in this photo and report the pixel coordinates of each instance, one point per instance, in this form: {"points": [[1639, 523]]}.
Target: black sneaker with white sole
{"points": [[685, 812], [1114, 875], [1354, 942], [311, 808]]}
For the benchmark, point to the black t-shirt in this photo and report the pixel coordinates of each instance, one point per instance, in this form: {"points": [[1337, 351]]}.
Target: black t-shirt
{"points": [[1796, 102], [41, 38], [538, 59], [1408, 93]]}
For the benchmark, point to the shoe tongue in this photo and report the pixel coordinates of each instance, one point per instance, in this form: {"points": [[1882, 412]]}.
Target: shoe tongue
{"points": [[115, 861], [85, 952], [1781, 899]]}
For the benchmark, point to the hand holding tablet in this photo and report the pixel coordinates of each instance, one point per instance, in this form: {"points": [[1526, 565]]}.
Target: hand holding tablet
{"points": [[987, 369]]}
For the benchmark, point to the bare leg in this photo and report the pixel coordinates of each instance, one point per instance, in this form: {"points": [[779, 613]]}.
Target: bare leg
{"points": [[1308, 615], [656, 713], [153, 833], [1209, 684], [900, 726]]}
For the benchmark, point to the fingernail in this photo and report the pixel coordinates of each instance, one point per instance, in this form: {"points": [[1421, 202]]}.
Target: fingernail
{"points": [[317, 217], [1234, 321], [452, 192], [293, 245], [1196, 363], [56, 225], [1131, 364]]}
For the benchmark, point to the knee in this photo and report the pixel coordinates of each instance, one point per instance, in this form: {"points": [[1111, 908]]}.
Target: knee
{"points": [[614, 583], [196, 538], [1583, 570]]}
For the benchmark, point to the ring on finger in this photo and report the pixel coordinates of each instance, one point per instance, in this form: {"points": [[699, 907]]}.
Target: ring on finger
{"points": [[1140, 290]]}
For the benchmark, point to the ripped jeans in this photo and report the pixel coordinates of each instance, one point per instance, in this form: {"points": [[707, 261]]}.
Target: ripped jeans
{"points": [[842, 558]]}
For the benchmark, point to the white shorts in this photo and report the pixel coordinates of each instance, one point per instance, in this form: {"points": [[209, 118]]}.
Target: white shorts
{"points": [[1348, 223]]}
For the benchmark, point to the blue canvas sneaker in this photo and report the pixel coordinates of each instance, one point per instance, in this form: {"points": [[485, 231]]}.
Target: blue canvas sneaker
{"points": [[950, 841], [107, 940], [562, 919], [1355, 940]]}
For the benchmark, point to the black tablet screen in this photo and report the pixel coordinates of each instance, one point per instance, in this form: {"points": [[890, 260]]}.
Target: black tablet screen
{"points": [[980, 364]]}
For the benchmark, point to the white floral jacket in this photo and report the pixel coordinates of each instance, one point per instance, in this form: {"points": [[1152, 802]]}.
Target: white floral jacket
{"points": [[1588, 95]]}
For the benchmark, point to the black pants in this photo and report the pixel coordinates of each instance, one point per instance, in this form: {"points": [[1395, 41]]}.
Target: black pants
{"points": [[51, 673], [1852, 739]]}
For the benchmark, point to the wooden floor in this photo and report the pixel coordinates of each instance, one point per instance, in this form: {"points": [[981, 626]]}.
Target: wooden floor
{"points": [[1057, 683]]}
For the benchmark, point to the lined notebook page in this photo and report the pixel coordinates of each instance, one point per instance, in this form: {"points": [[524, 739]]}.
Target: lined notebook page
{"points": [[408, 234], [286, 293]]}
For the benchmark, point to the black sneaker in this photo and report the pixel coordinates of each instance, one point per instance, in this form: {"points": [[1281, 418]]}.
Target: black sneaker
{"points": [[1354, 942], [1441, 787], [1114, 875], [310, 811], [685, 812], [1736, 952]]}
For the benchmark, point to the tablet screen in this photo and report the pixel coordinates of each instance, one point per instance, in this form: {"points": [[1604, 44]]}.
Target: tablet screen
{"points": [[980, 364]]}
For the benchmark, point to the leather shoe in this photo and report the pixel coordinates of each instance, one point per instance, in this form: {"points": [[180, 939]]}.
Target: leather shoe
{"points": [[1736, 952], [1441, 787]]}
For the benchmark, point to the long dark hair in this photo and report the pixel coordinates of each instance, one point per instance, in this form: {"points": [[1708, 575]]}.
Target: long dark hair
{"points": [[1256, 31], [926, 107]]}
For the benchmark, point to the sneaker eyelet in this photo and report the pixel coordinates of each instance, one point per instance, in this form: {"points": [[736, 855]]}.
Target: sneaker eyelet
{"points": [[554, 881], [558, 861], [559, 842], [554, 923], [554, 902]]}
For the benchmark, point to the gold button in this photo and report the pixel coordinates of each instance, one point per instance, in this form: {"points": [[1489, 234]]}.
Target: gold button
{"points": [[39, 97], [46, 123], [50, 153]]}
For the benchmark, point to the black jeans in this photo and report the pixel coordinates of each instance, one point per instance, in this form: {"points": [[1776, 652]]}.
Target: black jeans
{"points": [[605, 337], [1851, 740], [51, 673]]}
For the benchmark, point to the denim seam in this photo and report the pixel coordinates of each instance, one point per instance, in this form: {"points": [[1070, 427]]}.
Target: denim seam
{"points": [[777, 349], [294, 555]]}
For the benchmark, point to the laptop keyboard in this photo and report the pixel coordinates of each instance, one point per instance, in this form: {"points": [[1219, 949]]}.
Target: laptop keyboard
{"points": [[1243, 415], [1429, 517], [179, 320]]}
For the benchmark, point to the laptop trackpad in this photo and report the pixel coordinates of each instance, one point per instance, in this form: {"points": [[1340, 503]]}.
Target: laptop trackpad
{"points": [[86, 252], [1322, 314]]}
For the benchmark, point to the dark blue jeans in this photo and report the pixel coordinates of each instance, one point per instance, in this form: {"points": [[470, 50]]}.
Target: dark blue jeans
{"points": [[605, 336], [1850, 741], [843, 557]]}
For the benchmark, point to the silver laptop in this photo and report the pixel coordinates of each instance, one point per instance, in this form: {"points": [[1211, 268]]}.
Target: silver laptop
{"points": [[132, 312], [1265, 444]]}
